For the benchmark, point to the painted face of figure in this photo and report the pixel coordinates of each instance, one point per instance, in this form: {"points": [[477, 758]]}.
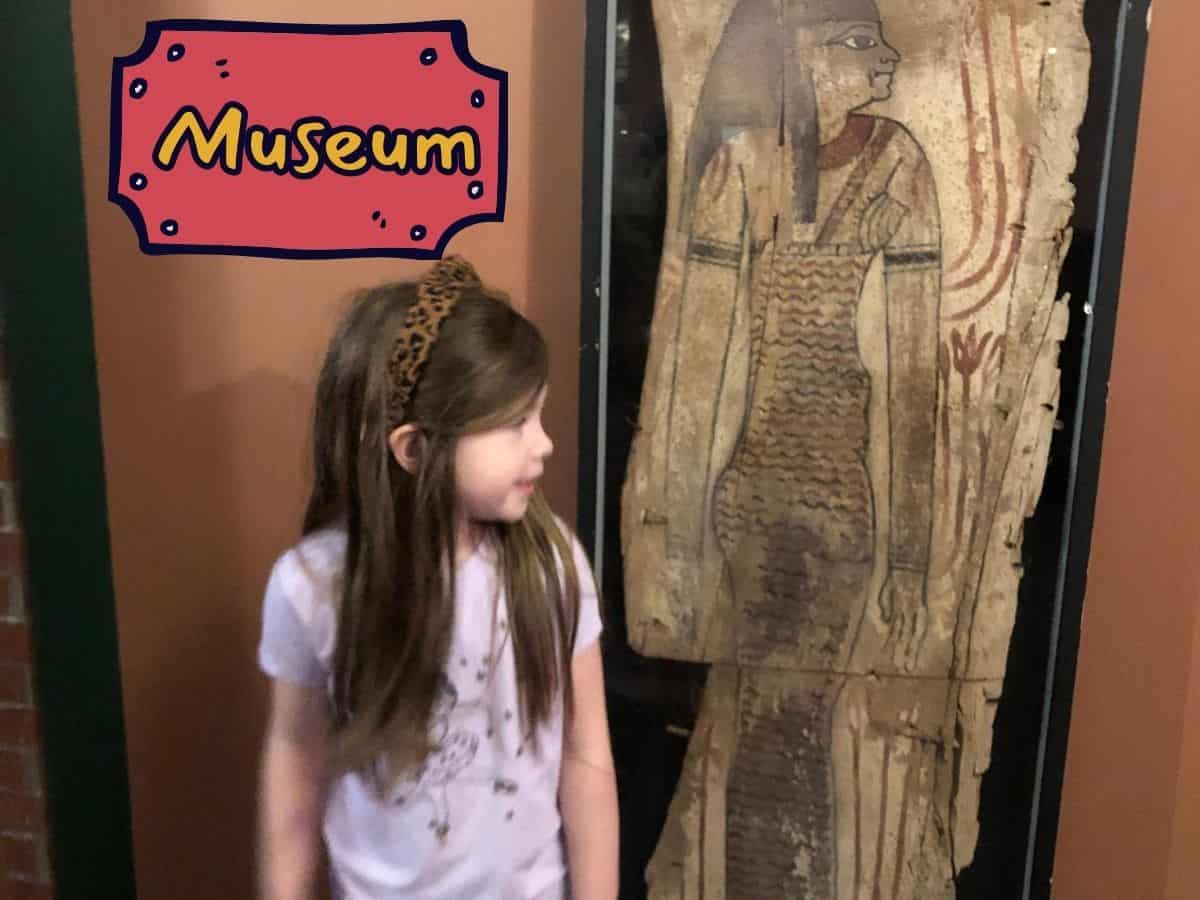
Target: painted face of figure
{"points": [[852, 64], [498, 469]]}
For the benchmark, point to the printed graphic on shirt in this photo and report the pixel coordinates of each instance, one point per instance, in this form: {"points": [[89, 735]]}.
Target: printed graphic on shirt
{"points": [[458, 734]]}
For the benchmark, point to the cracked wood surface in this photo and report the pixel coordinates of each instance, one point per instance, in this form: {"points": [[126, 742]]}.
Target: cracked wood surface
{"points": [[849, 396]]}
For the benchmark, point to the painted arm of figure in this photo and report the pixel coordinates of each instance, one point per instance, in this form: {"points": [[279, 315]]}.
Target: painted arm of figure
{"points": [[292, 793], [705, 380], [588, 787], [912, 273]]}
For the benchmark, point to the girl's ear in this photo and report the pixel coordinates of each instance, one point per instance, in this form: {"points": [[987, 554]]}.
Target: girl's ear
{"points": [[406, 443]]}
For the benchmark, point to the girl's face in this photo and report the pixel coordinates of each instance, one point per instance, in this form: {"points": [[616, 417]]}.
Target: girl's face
{"points": [[497, 469]]}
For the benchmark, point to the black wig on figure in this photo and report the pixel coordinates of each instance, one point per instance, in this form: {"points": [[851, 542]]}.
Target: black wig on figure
{"points": [[756, 79]]}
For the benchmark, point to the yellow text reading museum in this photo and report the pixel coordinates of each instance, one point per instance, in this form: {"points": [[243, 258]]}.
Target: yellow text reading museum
{"points": [[313, 143]]}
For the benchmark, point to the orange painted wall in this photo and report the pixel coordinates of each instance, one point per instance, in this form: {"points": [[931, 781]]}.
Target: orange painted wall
{"points": [[206, 367], [1130, 826]]}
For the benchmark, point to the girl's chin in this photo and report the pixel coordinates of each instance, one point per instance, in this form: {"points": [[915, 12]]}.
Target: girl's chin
{"points": [[512, 511]]}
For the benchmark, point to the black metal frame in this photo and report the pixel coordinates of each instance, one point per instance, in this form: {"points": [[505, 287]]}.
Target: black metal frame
{"points": [[1088, 432], [593, 276]]}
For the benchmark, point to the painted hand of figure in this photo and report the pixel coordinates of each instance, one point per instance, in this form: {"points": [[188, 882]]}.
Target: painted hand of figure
{"points": [[903, 608]]}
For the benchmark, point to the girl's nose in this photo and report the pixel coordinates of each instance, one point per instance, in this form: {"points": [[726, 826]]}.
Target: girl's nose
{"points": [[890, 54], [543, 445]]}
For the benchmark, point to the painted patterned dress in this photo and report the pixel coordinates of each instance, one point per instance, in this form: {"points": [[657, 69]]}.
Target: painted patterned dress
{"points": [[789, 499]]}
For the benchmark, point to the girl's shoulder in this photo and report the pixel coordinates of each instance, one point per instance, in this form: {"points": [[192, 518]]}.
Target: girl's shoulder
{"points": [[310, 572], [565, 537], [589, 620], [569, 538], [300, 609], [583, 566]]}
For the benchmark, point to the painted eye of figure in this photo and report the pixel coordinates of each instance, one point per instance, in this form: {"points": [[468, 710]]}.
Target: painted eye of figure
{"points": [[856, 41]]}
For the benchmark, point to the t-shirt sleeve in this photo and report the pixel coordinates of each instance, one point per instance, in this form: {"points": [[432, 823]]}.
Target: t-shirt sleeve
{"points": [[590, 625], [287, 650]]}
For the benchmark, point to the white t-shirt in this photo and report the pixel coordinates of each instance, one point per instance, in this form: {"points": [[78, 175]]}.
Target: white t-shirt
{"points": [[480, 821]]}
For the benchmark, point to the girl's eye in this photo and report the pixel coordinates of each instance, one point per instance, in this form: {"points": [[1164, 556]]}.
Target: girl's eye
{"points": [[858, 42]]}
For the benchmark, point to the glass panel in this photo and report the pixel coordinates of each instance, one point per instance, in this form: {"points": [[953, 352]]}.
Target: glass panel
{"points": [[653, 703]]}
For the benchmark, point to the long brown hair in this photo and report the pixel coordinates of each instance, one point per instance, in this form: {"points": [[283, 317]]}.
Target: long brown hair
{"points": [[396, 611]]}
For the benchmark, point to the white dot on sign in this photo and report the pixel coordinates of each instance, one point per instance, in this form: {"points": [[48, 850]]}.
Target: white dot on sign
{"points": [[1052, 51]]}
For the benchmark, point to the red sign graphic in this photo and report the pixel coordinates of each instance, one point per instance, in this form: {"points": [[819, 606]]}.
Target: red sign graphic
{"points": [[306, 141]]}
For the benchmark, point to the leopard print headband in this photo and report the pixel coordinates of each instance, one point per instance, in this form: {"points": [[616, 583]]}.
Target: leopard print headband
{"points": [[436, 295]]}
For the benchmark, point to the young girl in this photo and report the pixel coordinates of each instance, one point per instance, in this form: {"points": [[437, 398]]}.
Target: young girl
{"points": [[438, 705]]}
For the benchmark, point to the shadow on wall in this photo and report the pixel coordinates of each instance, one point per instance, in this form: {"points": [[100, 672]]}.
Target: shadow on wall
{"points": [[203, 526], [204, 466], [555, 198]]}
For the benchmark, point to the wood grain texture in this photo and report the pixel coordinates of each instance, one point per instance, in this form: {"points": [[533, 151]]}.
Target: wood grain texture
{"points": [[849, 395]]}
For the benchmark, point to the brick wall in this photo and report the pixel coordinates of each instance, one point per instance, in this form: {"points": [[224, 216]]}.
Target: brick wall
{"points": [[24, 869]]}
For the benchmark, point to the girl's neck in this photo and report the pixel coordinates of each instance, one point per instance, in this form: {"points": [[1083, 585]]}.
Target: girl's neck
{"points": [[468, 535]]}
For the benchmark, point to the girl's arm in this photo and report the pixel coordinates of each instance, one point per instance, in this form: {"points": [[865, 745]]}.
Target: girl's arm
{"points": [[588, 788], [292, 793]]}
